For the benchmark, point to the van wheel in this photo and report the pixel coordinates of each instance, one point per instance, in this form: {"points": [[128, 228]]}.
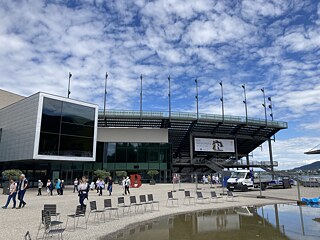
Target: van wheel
{"points": [[245, 188], [263, 186]]}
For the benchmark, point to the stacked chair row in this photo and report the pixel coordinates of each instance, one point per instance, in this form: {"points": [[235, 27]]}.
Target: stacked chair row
{"points": [[199, 198], [54, 226]]}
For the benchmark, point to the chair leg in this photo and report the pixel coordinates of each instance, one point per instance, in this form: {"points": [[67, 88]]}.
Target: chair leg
{"points": [[39, 228]]}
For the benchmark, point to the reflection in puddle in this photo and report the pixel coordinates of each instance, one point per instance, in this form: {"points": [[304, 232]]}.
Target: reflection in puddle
{"points": [[278, 221]]}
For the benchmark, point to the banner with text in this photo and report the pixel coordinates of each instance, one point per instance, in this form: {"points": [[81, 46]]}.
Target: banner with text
{"points": [[213, 145]]}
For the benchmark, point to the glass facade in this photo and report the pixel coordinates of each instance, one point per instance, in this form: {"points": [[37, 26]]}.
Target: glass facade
{"points": [[136, 158], [67, 129]]}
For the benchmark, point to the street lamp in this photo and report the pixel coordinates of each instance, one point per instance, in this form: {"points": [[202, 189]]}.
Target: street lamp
{"points": [[245, 101], [70, 75], [105, 100], [271, 115], [270, 107], [169, 96], [197, 98], [264, 105], [222, 101]]}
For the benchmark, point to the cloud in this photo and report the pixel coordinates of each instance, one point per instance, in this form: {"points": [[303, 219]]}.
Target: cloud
{"points": [[271, 44], [289, 152]]}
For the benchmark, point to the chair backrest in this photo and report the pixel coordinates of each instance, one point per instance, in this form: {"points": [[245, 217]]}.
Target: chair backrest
{"points": [[187, 193], [51, 208], [93, 205], [170, 195], [107, 203], [47, 220], [120, 200], [229, 194], [150, 197], [27, 236], [42, 216], [143, 199], [133, 200], [199, 195], [213, 194], [80, 211]]}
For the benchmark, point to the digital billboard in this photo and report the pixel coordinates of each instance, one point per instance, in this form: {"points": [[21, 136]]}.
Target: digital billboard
{"points": [[213, 145]]}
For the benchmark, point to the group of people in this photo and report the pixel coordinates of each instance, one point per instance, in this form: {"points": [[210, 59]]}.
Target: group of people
{"points": [[17, 188], [100, 185], [210, 179], [58, 185], [82, 187]]}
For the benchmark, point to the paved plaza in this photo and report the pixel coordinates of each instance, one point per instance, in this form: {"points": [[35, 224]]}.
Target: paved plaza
{"points": [[16, 222]]}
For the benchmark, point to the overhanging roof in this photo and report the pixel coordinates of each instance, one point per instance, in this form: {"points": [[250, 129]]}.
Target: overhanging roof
{"points": [[315, 150], [249, 135]]}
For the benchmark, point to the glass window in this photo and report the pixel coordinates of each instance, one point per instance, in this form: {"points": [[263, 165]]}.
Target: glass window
{"points": [[132, 152], [49, 144], [72, 124], [121, 152], [51, 115], [76, 146], [74, 113], [77, 130], [110, 152], [99, 152]]}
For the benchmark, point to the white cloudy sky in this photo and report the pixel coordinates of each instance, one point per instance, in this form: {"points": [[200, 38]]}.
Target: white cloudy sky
{"points": [[273, 44]]}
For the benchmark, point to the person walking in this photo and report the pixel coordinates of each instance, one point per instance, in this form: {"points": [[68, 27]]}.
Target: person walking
{"points": [[22, 188], [12, 194], [100, 186], [96, 185], [61, 187], [58, 187], [110, 184], [123, 185], [40, 185], [83, 190], [48, 186], [127, 186], [75, 185]]}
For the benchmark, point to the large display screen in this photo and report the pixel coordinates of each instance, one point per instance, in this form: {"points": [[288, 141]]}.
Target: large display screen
{"points": [[213, 145]]}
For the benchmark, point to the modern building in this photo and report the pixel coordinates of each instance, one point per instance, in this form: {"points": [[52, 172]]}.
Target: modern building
{"points": [[48, 136]]}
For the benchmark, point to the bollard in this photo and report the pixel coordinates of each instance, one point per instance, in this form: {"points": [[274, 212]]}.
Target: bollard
{"points": [[260, 196]]}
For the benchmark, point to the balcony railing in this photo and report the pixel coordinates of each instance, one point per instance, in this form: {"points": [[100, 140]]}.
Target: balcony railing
{"points": [[190, 116]]}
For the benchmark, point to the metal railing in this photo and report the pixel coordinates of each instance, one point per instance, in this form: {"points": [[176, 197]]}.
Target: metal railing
{"points": [[191, 116]]}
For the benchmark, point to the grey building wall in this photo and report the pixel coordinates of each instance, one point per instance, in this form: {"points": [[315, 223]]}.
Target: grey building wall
{"points": [[18, 123], [7, 98], [144, 135]]}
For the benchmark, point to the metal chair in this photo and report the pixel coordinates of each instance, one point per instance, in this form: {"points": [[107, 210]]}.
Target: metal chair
{"points": [[108, 207], [133, 203], [80, 213], [172, 199], [27, 236], [49, 231], [96, 212], [229, 195], [200, 197], [145, 203], [121, 204], [42, 222], [52, 209], [150, 199], [187, 196], [214, 196]]}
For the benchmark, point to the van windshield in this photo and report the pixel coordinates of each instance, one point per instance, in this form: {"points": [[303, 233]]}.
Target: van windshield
{"points": [[238, 174]]}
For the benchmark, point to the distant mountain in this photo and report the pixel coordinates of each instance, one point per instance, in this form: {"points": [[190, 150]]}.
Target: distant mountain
{"points": [[311, 166]]}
